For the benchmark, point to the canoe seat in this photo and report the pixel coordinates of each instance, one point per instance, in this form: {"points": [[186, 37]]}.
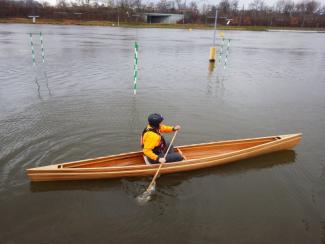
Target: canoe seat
{"points": [[146, 160], [181, 153]]}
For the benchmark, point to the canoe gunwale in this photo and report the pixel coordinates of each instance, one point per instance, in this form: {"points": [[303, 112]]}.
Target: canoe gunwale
{"points": [[130, 154]]}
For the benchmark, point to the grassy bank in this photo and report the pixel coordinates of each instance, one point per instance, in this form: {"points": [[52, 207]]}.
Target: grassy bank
{"points": [[146, 25]]}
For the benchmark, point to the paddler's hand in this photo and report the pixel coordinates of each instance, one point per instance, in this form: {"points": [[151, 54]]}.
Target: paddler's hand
{"points": [[162, 160], [177, 127]]}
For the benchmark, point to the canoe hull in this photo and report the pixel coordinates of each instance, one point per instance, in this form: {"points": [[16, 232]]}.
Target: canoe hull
{"points": [[63, 172]]}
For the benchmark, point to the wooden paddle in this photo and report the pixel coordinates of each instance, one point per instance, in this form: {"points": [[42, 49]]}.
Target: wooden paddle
{"points": [[153, 182]]}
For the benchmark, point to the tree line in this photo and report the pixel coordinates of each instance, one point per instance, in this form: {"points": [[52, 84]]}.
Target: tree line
{"points": [[285, 13]]}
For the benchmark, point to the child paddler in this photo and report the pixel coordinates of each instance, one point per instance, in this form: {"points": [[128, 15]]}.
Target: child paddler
{"points": [[153, 143]]}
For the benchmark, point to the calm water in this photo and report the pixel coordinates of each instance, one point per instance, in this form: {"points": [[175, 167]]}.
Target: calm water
{"points": [[80, 104]]}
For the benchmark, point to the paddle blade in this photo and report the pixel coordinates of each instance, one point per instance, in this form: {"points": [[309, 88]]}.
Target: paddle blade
{"points": [[146, 196]]}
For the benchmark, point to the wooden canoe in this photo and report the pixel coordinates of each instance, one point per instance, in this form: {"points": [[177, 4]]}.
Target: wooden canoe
{"points": [[197, 156]]}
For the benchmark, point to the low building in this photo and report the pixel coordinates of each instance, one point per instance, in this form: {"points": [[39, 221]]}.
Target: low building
{"points": [[162, 18]]}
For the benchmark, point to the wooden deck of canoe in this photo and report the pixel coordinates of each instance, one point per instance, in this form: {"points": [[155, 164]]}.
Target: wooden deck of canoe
{"points": [[132, 164]]}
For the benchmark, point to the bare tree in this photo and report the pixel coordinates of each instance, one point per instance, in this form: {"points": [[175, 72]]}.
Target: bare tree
{"points": [[288, 7], [179, 4], [280, 5], [257, 5], [234, 5], [62, 4], [224, 6], [137, 4], [163, 6], [312, 6]]}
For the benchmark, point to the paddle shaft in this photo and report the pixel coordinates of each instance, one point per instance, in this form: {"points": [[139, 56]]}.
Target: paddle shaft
{"points": [[154, 178]]}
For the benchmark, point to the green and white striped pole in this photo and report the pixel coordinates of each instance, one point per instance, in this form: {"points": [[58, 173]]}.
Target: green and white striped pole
{"points": [[221, 50], [43, 60], [32, 46], [42, 46], [227, 54], [135, 68]]}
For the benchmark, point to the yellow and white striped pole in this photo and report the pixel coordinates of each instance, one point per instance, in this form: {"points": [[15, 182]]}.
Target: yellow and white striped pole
{"points": [[213, 50]]}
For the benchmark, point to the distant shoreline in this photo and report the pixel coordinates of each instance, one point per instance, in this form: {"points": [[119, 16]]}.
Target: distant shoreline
{"points": [[146, 25]]}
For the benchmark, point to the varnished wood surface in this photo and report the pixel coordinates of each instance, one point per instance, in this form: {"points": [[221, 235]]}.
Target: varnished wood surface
{"points": [[132, 164]]}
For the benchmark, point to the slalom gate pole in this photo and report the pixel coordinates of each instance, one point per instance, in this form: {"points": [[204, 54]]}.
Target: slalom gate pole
{"points": [[32, 46], [42, 47], [227, 54], [135, 68]]}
